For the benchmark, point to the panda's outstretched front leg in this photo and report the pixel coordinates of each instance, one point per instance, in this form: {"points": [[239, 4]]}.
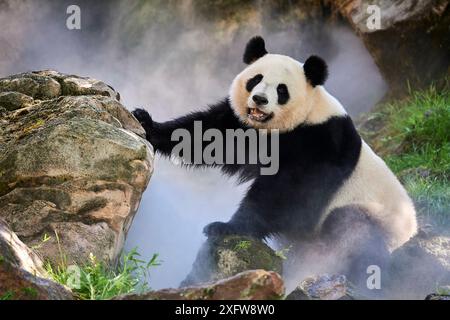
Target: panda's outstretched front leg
{"points": [[158, 134], [219, 116]]}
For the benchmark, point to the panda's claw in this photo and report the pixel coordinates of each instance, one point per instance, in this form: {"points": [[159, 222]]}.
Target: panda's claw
{"points": [[218, 229], [143, 117]]}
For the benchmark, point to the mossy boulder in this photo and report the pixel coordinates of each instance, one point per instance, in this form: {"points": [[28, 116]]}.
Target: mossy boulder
{"points": [[222, 257], [73, 165]]}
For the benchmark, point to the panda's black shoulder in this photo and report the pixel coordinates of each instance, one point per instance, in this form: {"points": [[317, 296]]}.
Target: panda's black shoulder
{"points": [[224, 115], [219, 115], [335, 140]]}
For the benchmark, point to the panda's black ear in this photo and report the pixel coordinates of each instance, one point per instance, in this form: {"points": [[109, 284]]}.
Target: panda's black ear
{"points": [[255, 49], [316, 70]]}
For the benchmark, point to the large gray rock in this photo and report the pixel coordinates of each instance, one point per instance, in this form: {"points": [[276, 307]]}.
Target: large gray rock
{"points": [[73, 165], [223, 257], [420, 265], [21, 273]]}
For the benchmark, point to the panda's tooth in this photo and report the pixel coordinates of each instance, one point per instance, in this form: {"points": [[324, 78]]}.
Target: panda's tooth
{"points": [[256, 112]]}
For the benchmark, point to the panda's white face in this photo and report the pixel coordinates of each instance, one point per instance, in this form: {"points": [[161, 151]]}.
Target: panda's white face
{"points": [[272, 93]]}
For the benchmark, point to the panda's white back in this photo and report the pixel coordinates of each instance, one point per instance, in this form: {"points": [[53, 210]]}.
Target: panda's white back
{"points": [[375, 188], [371, 186]]}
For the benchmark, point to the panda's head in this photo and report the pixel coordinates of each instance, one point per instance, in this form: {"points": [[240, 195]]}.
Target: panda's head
{"points": [[275, 91]]}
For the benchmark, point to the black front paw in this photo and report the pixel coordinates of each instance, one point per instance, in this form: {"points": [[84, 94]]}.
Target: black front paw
{"points": [[144, 118], [219, 229]]}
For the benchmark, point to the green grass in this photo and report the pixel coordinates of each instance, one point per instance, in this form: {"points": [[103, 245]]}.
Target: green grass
{"points": [[432, 198], [414, 140], [243, 245], [9, 295], [99, 281], [282, 253], [420, 127], [434, 159]]}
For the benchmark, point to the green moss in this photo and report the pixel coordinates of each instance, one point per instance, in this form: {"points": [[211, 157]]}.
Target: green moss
{"points": [[243, 245], [35, 125], [249, 254]]}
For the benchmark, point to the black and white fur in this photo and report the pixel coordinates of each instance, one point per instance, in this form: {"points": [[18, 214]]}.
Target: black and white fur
{"points": [[329, 180]]}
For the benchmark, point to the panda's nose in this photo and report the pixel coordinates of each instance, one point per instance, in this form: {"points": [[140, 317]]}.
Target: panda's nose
{"points": [[260, 99]]}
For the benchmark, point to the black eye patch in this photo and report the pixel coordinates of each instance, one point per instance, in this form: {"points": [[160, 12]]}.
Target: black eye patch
{"points": [[251, 83], [283, 93]]}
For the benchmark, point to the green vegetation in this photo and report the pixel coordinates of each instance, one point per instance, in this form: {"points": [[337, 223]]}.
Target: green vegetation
{"points": [[282, 253], [444, 291], [98, 280], [242, 245], [9, 295], [45, 238], [234, 253], [413, 136]]}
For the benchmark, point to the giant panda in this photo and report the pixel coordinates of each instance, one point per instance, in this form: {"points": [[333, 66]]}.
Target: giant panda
{"points": [[330, 184]]}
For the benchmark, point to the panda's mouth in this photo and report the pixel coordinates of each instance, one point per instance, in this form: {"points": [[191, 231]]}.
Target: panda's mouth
{"points": [[256, 114]]}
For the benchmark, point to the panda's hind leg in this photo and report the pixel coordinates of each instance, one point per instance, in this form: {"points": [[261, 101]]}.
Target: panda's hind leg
{"points": [[357, 242]]}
